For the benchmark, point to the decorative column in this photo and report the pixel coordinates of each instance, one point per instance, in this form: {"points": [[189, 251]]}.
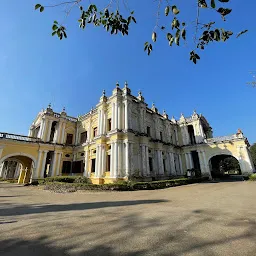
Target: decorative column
{"points": [[191, 160], [41, 130], [127, 160], [49, 130], [113, 119], [187, 161], [86, 163], [42, 167], [147, 162], [62, 139], [116, 160], [126, 121], [103, 160], [112, 160], [99, 121], [143, 160], [160, 163], [116, 115], [57, 168], [173, 170], [36, 173], [97, 164], [53, 164], [181, 171]]}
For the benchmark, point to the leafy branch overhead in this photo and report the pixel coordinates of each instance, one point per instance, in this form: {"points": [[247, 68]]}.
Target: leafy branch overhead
{"points": [[175, 31]]}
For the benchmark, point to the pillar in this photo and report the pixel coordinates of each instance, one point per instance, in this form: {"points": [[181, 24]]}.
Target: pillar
{"points": [[126, 120], [86, 164], [49, 130], [116, 160], [113, 126], [112, 160], [181, 171], [160, 163], [127, 160], [57, 166], [36, 173], [191, 160], [116, 116], [42, 167], [147, 161], [99, 121], [103, 160], [62, 139], [172, 164], [41, 130], [187, 161], [143, 160]]}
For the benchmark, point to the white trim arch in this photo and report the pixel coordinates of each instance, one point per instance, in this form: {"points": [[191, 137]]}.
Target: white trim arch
{"points": [[17, 154], [227, 153]]}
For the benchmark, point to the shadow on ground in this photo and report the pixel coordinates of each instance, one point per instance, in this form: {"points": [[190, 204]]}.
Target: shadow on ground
{"points": [[35, 209], [136, 235]]}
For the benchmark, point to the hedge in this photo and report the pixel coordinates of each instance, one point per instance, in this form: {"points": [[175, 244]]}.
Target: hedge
{"points": [[121, 186], [252, 177]]}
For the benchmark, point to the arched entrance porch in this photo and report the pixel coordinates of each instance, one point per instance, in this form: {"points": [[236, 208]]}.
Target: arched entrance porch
{"points": [[224, 165], [24, 166]]}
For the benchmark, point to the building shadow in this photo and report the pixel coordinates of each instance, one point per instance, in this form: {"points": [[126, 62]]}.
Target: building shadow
{"points": [[35, 209]]}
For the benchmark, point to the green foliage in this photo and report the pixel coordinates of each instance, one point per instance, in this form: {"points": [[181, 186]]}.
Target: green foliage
{"points": [[114, 22], [252, 177], [121, 186], [253, 153], [229, 164], [66, 179]]}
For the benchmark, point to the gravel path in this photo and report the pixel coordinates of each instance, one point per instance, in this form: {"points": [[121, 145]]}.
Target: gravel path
{"points": [[198, 219]]}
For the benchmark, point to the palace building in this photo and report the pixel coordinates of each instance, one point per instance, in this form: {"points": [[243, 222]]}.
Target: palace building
{"points": [[121, 138]]}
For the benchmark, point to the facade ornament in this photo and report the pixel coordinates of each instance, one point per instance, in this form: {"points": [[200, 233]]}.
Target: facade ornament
{"points": [[117, 84], [103, 93], [182, 118], [126, 90], [154, 108], [194, 115], [165, 115], [140, 97], [49, 109], [173, 120]]}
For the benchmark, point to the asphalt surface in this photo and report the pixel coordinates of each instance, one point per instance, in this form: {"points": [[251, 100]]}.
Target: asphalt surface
{"points": [[199, 219]]}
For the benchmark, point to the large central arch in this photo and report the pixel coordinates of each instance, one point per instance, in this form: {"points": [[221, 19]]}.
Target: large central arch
{"points": [[224, 165]]}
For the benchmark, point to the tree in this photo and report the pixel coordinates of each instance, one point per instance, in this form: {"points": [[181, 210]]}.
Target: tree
{"points": [[253, 153], [116, 17]]}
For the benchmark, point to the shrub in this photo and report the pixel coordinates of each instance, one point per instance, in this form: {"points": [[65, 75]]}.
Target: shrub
{"points": [[67, 179], [252, 177], [81, 179], [121, 186]]}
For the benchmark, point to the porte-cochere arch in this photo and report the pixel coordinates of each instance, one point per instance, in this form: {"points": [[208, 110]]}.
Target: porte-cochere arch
{"points": [[224, 165], [25, 164]]}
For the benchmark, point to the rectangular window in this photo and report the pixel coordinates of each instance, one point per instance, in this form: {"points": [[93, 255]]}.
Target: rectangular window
{"points": [[69, 140], [83, 137], [148, 130], [93, 165], [66, 167], [95, 131], [108, 163], [164, 163], [109, 124], [150, 160], [77, 167]]}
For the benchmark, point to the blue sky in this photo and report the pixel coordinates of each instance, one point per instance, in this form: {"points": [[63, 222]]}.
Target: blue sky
{"points": [[36, 68]]}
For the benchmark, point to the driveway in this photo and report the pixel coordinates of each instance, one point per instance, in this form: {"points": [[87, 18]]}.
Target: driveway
{"points": [[198, 219]]}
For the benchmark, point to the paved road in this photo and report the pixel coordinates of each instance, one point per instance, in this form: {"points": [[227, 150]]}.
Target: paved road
{"points": [[199, 219]]}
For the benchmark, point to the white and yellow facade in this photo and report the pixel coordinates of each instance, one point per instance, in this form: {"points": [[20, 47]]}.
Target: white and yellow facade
{"points": [[121, 138]]}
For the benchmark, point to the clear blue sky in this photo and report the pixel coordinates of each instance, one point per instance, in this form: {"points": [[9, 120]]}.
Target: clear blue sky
{"points": [[36, 68]]}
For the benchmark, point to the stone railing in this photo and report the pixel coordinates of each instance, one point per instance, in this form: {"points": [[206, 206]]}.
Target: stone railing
{"points": [[18, 137], [72, 119], [225, 138], [83, 117]]}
